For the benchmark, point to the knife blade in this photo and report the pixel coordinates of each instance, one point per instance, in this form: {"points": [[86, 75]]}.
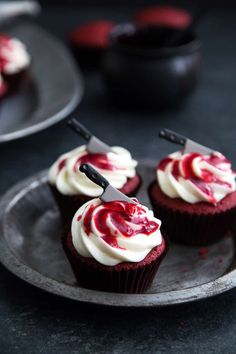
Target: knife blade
{"points": [[109, 193], [192, 146], [189, 145], [94, 144]]}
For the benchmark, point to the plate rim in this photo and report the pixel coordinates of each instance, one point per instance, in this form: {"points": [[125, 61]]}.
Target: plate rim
{"points": [[17, 267], [63, 113]]}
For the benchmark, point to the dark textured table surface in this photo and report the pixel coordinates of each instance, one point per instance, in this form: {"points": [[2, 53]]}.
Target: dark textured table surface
{"points": [[32, 321]]}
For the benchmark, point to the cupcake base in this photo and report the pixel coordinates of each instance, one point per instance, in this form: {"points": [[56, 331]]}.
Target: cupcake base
{"points": [[125, 277], [199, 224], [14, 81], [69, 204]]}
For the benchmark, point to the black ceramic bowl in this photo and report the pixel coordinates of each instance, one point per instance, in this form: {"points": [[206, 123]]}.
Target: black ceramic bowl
{"points": [[140, 69]]}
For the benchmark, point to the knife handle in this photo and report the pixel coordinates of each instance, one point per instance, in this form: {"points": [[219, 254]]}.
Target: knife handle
{"points": [[94, 175], [79, 129], [172, 136]]}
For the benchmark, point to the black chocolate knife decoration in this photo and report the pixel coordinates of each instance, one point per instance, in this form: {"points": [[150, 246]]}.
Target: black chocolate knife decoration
{"points": [[189, 145], [109, 193], [94, 144], [172, 136]]}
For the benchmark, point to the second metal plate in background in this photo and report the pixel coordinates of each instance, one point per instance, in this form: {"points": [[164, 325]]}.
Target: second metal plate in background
{"points": [[54, 90]]}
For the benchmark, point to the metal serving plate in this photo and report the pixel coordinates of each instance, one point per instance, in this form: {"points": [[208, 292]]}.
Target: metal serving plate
{"points": [[54, 90], [30, 248]]}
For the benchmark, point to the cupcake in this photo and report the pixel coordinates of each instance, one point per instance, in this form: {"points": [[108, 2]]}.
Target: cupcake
{"points": [[89, 41], [195, 197], [114, 246], [71, 188], [3, 87], [14, 61], [164, 16]]}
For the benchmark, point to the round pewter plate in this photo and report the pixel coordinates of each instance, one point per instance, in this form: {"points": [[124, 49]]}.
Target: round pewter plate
{"points": [[30, 248], [53, 88]]}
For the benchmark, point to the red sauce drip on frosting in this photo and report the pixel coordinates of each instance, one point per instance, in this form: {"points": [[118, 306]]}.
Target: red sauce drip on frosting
{"points": [[61, 164], [218, 161], [204, 188], [187, 165], [97, 160], [175, 169], [5, 42], [127, 219], [163, 163], [88, 219], [188, 173]]}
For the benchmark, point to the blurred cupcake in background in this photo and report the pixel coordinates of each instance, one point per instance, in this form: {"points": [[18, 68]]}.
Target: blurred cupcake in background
{"points": [[14, 61], [3, 87], [89, 41], [163, 16]]}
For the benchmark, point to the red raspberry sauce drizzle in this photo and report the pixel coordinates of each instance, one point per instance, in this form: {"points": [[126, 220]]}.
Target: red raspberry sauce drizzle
{"points": [[201, 182], [5, 42], [128, 219], [97, 160], [61, 165]]}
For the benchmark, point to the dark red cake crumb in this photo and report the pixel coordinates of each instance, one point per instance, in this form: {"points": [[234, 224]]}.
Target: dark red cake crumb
{"points": [[92, 34], [165, 16], [203, 252]]}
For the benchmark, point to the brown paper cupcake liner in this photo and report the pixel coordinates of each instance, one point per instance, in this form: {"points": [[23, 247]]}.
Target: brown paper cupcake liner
{"points": [[194, 229], [124, 278]]}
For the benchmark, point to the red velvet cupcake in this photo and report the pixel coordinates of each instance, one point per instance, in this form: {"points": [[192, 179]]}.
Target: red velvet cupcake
{"points": [[71, 188], [14, 62], [115, 246], [195, 197], [164, 16], [3, 87], [89, 41]]}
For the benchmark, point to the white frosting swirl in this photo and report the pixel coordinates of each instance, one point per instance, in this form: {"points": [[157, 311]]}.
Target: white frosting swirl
{"points": [[195, 178], [115, 232], [116, 166], [13, 55]]}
